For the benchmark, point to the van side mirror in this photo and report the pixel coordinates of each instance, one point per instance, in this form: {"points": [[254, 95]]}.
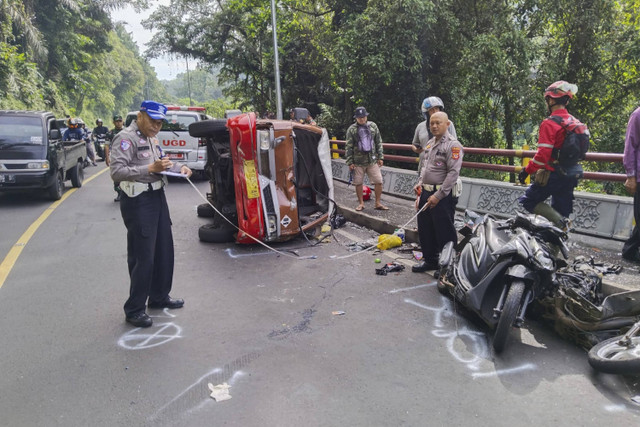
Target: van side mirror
{"points": [[54, 134]]}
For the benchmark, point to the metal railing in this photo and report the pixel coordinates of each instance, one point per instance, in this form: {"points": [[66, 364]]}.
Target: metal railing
{"points": [[523, 154]]}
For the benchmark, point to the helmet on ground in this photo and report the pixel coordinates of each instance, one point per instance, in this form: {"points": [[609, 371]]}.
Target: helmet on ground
{"points": [[560, 89], [430, 102], [98, 121], [366, 192]]}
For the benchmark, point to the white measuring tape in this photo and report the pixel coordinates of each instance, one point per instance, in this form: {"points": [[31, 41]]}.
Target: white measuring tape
{"points": [[289, 255]]}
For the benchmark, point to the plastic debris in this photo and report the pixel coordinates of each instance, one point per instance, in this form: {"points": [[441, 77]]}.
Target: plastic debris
{"points": [[400, 233], [377, 261], [390, 267], [220, 392], [325, 228], [338, 313], [417, 255], [387, 241], [338, 221]]}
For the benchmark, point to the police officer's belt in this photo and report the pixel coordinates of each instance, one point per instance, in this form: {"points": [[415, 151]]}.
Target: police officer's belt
{"points": [[133, 189], [431, 187]]}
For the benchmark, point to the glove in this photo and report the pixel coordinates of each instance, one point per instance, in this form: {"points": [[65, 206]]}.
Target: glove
{"points": [[523, 176]]}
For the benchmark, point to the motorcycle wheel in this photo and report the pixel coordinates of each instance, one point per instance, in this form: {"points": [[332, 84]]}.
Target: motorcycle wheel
{"points": [[613, 358], [508, 315]]}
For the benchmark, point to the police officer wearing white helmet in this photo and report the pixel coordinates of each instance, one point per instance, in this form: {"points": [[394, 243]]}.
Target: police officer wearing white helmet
{"points": [[430, 105], [136, 163]]}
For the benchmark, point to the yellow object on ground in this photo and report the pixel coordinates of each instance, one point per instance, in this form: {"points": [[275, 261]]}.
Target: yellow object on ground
{"points": [[387, 241]]}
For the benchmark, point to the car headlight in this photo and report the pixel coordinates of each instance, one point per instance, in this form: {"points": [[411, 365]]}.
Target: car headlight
{"points": [[272, 225], [264, 140], [38, 165]]}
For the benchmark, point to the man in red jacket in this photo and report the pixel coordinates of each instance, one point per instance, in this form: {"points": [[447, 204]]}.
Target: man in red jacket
{"points": [[553, 180]]}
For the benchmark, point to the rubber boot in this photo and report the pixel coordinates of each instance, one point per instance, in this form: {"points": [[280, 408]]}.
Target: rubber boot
{"points": [[548, 212]]}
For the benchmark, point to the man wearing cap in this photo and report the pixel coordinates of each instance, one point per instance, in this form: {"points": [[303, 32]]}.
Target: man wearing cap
{"points": [[437, 194], [364, 155], [117, 127], [136, 163]]}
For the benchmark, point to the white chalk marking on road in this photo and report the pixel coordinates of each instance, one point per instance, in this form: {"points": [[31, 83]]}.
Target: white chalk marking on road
{"points": [[205, 376], [231, 253], [395, 291], [150, 340], [479, 349], [500, 372]]}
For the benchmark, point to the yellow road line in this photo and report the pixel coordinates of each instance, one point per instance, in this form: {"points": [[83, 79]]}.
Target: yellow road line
{"points": [[11, 258]]}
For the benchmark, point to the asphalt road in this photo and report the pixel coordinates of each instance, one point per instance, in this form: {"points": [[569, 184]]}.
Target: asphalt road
{"points": [[401, 354]]}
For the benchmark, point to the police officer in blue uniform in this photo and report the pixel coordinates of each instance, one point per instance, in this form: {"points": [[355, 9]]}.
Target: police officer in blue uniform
{"points": [[136, 163]]}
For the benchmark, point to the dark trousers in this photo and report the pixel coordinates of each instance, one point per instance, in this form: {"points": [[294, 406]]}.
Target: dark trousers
{"points": [[149, 249], [559, 187], [435, 226], [632, 245]]}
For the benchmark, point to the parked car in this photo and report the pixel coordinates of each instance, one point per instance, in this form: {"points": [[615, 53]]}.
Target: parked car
{"points": [[271, 178], [174, 136], [33, 155]]}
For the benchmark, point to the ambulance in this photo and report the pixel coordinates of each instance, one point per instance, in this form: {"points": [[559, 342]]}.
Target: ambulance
{"points": [[175, 140]]}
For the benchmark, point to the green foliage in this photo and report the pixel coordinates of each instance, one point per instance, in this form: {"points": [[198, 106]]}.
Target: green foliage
{"points": [[66, 56]]}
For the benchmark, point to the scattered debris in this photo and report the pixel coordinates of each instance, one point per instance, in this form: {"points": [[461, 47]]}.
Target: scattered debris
{"points": [[388, 241], [390, 267], [417, 255], [636, 399], [338, 313], [220, 392], [377, 260]]}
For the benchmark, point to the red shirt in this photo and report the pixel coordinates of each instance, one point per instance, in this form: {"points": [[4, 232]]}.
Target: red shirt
{"points": [[550, 135]]}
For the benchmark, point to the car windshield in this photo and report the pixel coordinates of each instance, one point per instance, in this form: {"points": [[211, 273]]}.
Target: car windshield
{"points": [[177, 121], [20, 131]]}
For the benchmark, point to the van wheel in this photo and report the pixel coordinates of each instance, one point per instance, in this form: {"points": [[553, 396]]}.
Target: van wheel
{"points": [[57, 188], [77, 175], [214, 233], [205, 211], [209, 128]]}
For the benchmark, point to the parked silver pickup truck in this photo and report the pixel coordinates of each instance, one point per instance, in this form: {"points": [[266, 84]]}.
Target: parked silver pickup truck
{"points": [[33, 155]]}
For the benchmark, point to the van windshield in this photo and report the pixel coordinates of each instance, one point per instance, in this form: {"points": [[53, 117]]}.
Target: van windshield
{"points": [[177, 121], [20, 131]]}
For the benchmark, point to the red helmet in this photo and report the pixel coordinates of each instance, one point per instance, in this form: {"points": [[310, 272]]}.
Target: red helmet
{"points": [[366, 193], [560, 89]]}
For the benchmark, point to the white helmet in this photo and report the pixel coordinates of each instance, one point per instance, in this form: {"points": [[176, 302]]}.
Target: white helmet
{"points": [[430, 102]]}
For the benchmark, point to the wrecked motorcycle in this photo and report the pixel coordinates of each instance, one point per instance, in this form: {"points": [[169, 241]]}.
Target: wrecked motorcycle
{"points": [[500, 267], [607, 326]]}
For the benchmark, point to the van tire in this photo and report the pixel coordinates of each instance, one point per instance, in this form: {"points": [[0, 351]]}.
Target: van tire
{"points": [[214, 233], [205, 211], [76, 175], [209, 128]]}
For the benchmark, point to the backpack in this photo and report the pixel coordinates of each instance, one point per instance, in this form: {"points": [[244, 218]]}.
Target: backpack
{"points": [[576, 141]]}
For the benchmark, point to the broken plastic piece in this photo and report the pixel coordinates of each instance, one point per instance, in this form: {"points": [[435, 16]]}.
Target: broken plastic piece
{"points": [[392, 266], [417, 255], [338, 313], [220, 392]]}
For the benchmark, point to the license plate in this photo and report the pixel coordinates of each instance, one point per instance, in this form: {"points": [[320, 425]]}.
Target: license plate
{"points": [[175, 156], [7, 178], [251, 179]]}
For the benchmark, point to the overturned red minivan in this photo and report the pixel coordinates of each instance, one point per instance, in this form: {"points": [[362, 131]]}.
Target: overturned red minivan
{"points": [[271, 179]]}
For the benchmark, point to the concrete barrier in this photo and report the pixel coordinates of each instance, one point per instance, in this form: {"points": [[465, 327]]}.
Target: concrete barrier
{"points": [[598, 215]]}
